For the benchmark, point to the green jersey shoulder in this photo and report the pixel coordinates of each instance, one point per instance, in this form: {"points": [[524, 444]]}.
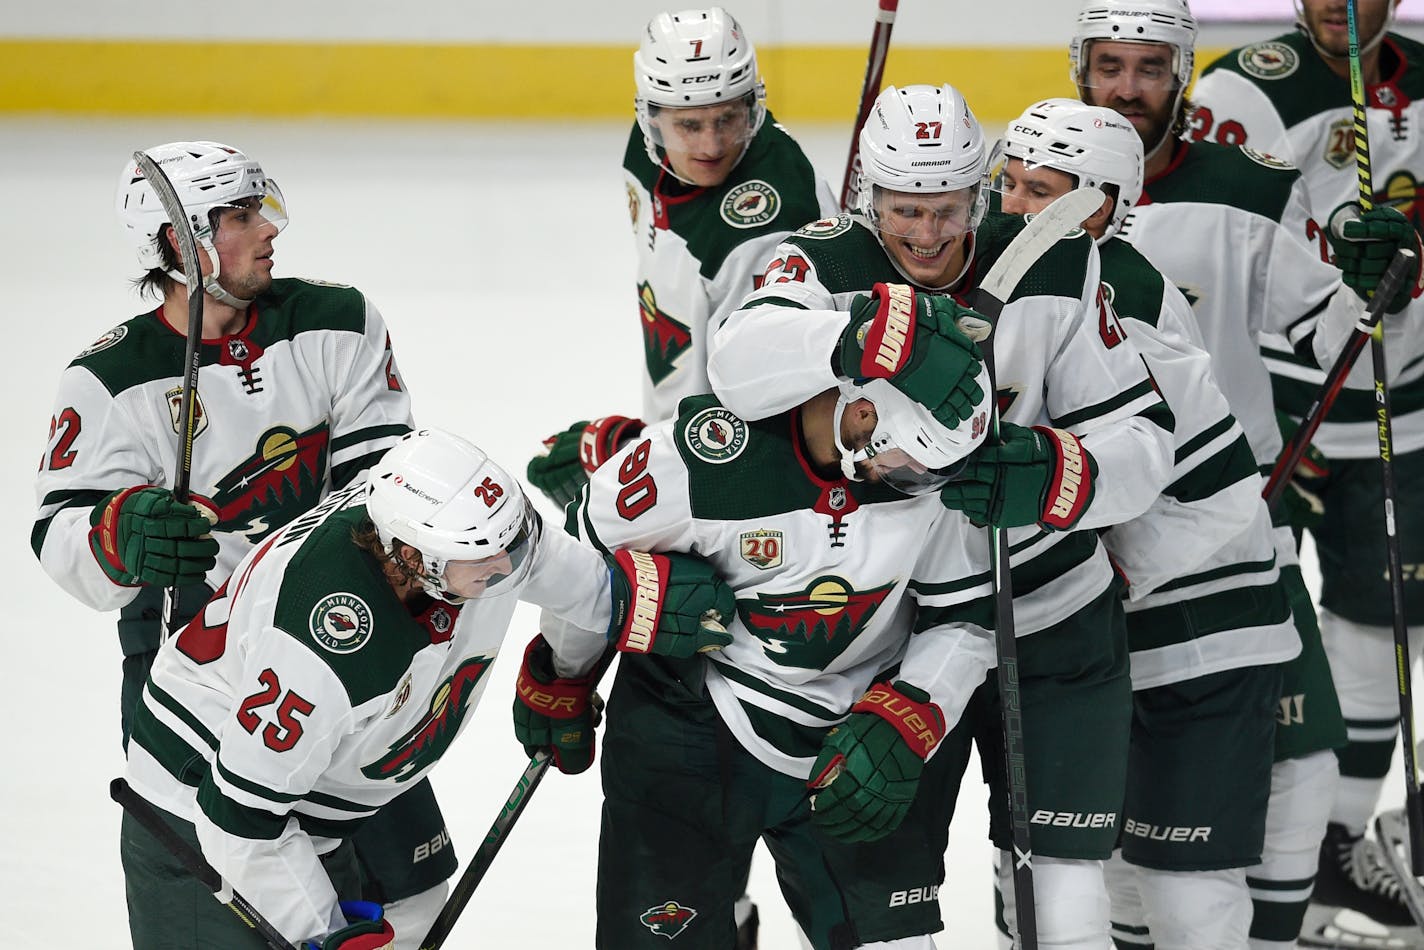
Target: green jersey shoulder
{"points": [[1132, 285], [772, 189], [1234, 176]]}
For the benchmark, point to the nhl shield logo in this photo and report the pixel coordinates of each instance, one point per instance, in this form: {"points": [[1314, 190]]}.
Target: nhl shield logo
{"points": [[667, 920], [175, 407], [1268, 60], [838, 498], [750, 204], [341, 623], [716, 435], [762, 549]]}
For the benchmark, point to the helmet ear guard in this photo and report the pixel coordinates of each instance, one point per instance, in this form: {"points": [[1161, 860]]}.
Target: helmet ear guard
{"points": [[443, 496]]}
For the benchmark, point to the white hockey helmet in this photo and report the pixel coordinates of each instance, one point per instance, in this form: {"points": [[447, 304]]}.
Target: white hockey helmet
{"points": [[1095, 145], [910, 450], [207, 176], [1136, 21], [469, 519], [695, 58], [922, 139]]}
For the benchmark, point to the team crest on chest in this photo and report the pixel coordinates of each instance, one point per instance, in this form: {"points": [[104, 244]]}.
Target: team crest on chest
{"points": [[174, 397], [667, 920], [762, 549], [716, 435], [1268, 60], [810, 627], [112, 338], [750, 204], [826, 227], [341, 623]]}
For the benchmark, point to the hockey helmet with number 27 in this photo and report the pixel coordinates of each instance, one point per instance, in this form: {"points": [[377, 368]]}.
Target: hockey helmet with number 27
{"points": [[469, 519]]}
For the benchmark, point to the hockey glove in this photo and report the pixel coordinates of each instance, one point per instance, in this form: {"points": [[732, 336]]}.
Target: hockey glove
{"points": [[865, 777], [367, 929], [912, 340], [143, 535], [1037, 476], [668, 604], [1300, 502], [1365, 243], [569, 457], [554, 713]]}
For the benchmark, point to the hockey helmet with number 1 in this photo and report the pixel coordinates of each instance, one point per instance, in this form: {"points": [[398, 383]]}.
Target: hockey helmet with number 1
{"points": [[207, 176], [695, 58], [440, 494]]}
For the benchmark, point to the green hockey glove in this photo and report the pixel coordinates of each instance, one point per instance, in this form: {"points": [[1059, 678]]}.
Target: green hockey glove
{"points": [[553, 712], [668, 604], [865, 777], [1037, 476], [1301, 500], [366, 929], [569, 457], [913, 341], [1365, 242], [143, 535]]}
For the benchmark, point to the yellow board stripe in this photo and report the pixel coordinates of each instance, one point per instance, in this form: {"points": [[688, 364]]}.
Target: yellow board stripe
{"points": [[484, 81]]}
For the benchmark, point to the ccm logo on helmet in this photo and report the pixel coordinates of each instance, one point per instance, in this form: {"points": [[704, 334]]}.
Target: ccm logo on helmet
{"points": [[696, 80]]}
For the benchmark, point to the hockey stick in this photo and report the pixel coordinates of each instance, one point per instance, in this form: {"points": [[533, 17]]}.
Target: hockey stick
{"points": [[146, 815], [874, 72], [529, 780], [1294, 450], [1041, 233], [1413, 805], [193, 276]]}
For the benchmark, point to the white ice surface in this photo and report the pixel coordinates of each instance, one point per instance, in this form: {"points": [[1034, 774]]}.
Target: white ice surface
{"points": [[501, 259]]}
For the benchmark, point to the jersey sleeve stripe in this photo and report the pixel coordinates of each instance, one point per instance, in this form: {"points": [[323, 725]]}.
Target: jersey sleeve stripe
{"points": [[1143, 392], [53, 504]]}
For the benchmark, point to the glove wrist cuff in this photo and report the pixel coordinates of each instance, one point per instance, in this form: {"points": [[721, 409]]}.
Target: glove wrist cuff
{"points": [[566, 698], [919, 722], [1068, 491], [104, 530], [639, 581], [603, 437]]}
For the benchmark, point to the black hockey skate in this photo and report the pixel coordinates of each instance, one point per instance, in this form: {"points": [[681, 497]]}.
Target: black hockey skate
{"points": [[1358, 901]]}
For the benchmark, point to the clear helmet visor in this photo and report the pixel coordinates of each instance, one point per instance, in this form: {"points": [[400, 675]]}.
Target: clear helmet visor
{"points": [[1023, 186], [926, 219], [493, 576], [1128, 69], [717, 129], [255, 211], [897, 469]]}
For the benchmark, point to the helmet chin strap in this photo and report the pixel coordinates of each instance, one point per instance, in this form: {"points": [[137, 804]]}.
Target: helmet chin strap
{"points": [[210, 282], [1365, 47], [847, 456]]}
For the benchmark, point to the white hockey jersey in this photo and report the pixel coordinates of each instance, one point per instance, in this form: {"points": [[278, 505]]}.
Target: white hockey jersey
{"points": [[303, 398], [700, 251], [306, 695], [820, 567], [1280, 97]]}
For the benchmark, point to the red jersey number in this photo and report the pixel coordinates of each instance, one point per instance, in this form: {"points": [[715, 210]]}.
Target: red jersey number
{"points": [[639, 491], [61, 452], [281, 735]]}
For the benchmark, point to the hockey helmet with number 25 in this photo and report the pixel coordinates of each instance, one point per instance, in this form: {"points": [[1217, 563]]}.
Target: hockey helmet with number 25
{"points": [[469, 519], [207, 176]]}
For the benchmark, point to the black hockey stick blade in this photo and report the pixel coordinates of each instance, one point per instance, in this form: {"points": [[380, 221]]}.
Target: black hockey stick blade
{"points": [[146, 815]]}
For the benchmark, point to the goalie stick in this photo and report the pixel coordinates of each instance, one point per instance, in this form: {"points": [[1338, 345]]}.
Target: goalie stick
{"points": [[146, 815], [1043, 231], [192, 275], [874, 72]]}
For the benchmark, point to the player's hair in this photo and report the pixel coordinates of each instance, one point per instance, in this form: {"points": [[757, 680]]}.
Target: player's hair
{"points": [[396, 568], [156, 282]]}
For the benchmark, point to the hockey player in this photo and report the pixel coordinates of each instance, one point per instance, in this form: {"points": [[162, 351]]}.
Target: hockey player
{"points": [[714, 183], [817, 517], [1062, 369], [1267, 274], [336, 667], [1208, 619], [1290, 96], [298, 394]]}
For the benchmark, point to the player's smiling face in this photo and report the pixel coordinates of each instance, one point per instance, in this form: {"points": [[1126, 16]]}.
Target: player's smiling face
{"points": [[243, 239], [704, 143], [1326, 21], [925, 233], [1135, 80]]}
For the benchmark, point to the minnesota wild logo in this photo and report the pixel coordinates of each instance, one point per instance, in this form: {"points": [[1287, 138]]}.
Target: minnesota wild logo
{"points": [[809, 628], [667, 920], [424, 744], [1268, 60], [664, 339], [750, 204], [341, 623], [1401, 192], [280, 480]]}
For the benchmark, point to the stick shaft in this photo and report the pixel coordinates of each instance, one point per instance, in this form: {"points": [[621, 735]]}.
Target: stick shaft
{"points": [[874, 73]]}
